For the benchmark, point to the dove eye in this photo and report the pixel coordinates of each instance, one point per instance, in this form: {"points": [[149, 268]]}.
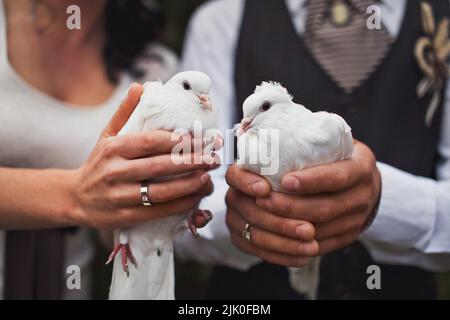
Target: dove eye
{"points": [[186, 85], [266, 106]]}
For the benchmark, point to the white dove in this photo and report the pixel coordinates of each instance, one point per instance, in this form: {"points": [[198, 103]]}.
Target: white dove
{"points": [[291, 137], [179, 105]]}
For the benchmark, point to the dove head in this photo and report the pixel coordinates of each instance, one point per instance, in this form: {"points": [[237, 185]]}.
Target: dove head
{"points": [[194, 85], [268, 98]]}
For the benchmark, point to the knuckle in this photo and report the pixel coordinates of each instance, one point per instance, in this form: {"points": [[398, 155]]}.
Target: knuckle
{"points": [[150, 140], [230, 197], [285, 206], [342, 177], [111, 173], [114, 197], [322, 212], [110, 148], [364, 203], [279, 205], [367, 168], [229, 176], [157, 169]]}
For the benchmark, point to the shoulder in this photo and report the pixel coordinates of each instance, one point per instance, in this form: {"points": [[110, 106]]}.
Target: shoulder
{"points": [[157, 62], [212, 34], [217, 15]]}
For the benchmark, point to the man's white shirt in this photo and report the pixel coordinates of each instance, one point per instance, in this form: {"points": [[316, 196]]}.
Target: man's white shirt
{"points": [[412, 226]]}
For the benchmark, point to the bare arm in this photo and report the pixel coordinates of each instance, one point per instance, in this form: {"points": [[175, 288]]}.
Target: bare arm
{"points": [[104, 192], [35, 198]]}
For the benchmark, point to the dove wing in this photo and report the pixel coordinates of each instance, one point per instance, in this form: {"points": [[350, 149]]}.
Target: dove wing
{"points": [[149, 99]]}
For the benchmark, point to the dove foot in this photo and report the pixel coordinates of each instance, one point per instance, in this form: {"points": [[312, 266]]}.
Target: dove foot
{"points": [[199, 219], [126, 255]]}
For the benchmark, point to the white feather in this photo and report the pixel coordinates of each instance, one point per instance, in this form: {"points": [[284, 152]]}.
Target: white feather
{"points": [[162, 106], [306, 139]]}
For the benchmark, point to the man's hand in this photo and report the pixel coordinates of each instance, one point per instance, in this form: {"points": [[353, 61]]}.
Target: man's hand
{"points": [[276, 239], [338, 198]]}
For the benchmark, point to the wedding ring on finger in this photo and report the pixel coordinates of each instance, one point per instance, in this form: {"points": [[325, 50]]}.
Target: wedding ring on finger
{"points": [[247, 232], [145, 197]]}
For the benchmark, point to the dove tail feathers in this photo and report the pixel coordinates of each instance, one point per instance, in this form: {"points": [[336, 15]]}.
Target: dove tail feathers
{"points": [[306, 280]]}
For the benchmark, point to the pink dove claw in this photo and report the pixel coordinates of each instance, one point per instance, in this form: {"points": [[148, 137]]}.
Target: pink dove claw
{"points": [[126, 255], [199, 219]]}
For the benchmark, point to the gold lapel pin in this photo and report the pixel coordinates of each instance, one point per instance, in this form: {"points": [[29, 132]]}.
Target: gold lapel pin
{"points": [[432, 52], [341, 13]]}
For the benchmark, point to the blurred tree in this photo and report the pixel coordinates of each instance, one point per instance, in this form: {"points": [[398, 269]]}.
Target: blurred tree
{"points": [[177, 14]]}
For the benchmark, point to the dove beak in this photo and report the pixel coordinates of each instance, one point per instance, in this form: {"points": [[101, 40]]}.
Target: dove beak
{"points": [[245, 124], [205, 101]]}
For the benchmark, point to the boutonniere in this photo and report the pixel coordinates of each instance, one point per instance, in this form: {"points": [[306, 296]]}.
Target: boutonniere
{"points": [[432, 52]]}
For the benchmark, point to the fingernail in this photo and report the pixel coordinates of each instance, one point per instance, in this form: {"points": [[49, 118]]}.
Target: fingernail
{"points": [[131, 87], [259, 188], [291, 184], [302, 231], [204, 178], [309, 249]]}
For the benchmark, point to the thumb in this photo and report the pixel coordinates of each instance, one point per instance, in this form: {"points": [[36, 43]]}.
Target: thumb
{"points": [[124, 111]]}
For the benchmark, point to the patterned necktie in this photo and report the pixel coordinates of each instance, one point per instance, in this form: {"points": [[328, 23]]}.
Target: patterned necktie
{"points": [[348, 53]]}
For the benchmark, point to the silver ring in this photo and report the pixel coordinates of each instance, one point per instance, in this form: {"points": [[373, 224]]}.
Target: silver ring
{"points": [[247, 232], [145, 197]]}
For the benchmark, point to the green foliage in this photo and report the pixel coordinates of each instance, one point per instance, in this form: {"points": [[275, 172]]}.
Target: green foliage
{"points": [[177, 13]]}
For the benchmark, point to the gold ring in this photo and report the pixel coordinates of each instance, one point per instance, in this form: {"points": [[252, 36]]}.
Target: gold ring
{"points": [[247, 232]]}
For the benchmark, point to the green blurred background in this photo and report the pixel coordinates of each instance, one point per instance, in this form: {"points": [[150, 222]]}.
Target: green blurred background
{"points": [[191, 278], [177, 13]]}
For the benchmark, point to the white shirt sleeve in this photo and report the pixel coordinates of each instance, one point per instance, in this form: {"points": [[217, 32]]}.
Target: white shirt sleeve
{"points": [[412, 226], [209, 47]]}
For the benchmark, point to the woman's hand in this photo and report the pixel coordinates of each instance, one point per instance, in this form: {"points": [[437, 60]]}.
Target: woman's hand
{"points": [[106, 189]]}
